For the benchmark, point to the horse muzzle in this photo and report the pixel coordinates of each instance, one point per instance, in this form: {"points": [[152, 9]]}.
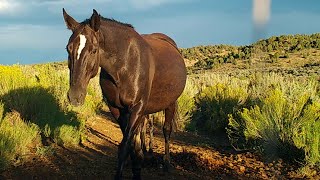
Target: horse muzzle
{"points": [[76, 98]]}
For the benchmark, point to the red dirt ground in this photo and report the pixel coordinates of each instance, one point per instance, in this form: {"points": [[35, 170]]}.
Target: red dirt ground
{"points": [[193, 157]]}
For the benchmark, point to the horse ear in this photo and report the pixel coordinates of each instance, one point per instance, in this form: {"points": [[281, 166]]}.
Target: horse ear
{"points": [[95, 21], [70, 22]]}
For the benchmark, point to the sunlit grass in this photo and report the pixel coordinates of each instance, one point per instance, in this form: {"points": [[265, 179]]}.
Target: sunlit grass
{"points": [[263, 108], [16, 136], [275, 114], [37, 95]]}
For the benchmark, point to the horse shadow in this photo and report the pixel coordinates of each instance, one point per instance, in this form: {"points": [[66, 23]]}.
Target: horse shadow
{"points": [[38, 105]]}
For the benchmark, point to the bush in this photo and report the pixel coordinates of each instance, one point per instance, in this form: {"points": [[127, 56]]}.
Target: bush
{"points": [[38, 94], [268, 112], [214, 103], [307, 133], [284, 123], [15, 138], [186, 104], [67, 135]]}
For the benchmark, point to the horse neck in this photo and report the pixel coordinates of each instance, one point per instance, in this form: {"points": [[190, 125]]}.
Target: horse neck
{"points": [[114, 42], [115, 39]]}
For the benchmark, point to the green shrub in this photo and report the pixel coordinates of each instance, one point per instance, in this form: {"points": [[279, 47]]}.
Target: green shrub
{"points": [[67, 135], [38, 94], [284, 124], [45, 150], [186, 104], [15, 138], [272, 113], [215, 103], [307, 133], [1, 110]]}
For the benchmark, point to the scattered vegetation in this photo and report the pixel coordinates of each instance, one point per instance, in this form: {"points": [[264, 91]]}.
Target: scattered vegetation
{"points": [[269, 50], [274, 112], [16, 136], [33, 108], [263, 112]]}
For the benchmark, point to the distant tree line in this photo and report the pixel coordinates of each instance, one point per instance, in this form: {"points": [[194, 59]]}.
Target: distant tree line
{"points": [[271, 49]]}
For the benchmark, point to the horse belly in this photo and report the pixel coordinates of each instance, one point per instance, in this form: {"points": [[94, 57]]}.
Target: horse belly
{"points": [[168, 83]]}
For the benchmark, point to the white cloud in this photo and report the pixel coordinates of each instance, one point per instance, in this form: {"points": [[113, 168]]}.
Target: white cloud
{"points": [[9, 7], [4, 5]]}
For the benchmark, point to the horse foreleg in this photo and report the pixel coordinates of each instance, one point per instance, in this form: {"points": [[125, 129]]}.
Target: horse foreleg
{"points": [[121, 116], [129, 139], [136, 155], [123, 148]]}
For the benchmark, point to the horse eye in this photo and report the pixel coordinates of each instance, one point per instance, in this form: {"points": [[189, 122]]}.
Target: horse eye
{"points": [[68, 48]]}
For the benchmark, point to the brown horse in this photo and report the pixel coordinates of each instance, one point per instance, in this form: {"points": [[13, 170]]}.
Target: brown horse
{"points": [[140, 75]]}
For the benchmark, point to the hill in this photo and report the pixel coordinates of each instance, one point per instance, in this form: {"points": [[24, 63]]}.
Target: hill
{"points": [[298, 54]]}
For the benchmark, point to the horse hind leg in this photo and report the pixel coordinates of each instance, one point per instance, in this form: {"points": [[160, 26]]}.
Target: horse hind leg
{"points": [[151, 120], [167, 129], [147, 121], [143, 135]]}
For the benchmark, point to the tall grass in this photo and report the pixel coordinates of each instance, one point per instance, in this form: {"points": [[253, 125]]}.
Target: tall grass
{"points": [[214, 103], [282, 122], [36, 95], [186, 103], [15, 137], [277, 115]]}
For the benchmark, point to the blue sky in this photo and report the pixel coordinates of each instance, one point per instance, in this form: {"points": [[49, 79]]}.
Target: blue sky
{"points": [[33, 31]]}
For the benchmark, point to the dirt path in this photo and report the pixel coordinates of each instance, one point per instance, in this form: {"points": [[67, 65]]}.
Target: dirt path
{"points": [[192, 157]]}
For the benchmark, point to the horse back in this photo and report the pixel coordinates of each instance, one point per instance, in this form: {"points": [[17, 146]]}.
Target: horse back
{"points": [[161, 36]]}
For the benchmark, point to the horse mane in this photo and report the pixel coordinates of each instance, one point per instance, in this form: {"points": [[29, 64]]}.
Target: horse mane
{"points": [[87, 21]]}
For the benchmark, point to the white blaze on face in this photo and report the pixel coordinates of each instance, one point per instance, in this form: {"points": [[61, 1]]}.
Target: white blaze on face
{"points": [[82, 44]]}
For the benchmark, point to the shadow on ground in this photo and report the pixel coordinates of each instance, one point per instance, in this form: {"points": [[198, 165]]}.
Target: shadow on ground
{"points": [[96, 158], [39, 106]]}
